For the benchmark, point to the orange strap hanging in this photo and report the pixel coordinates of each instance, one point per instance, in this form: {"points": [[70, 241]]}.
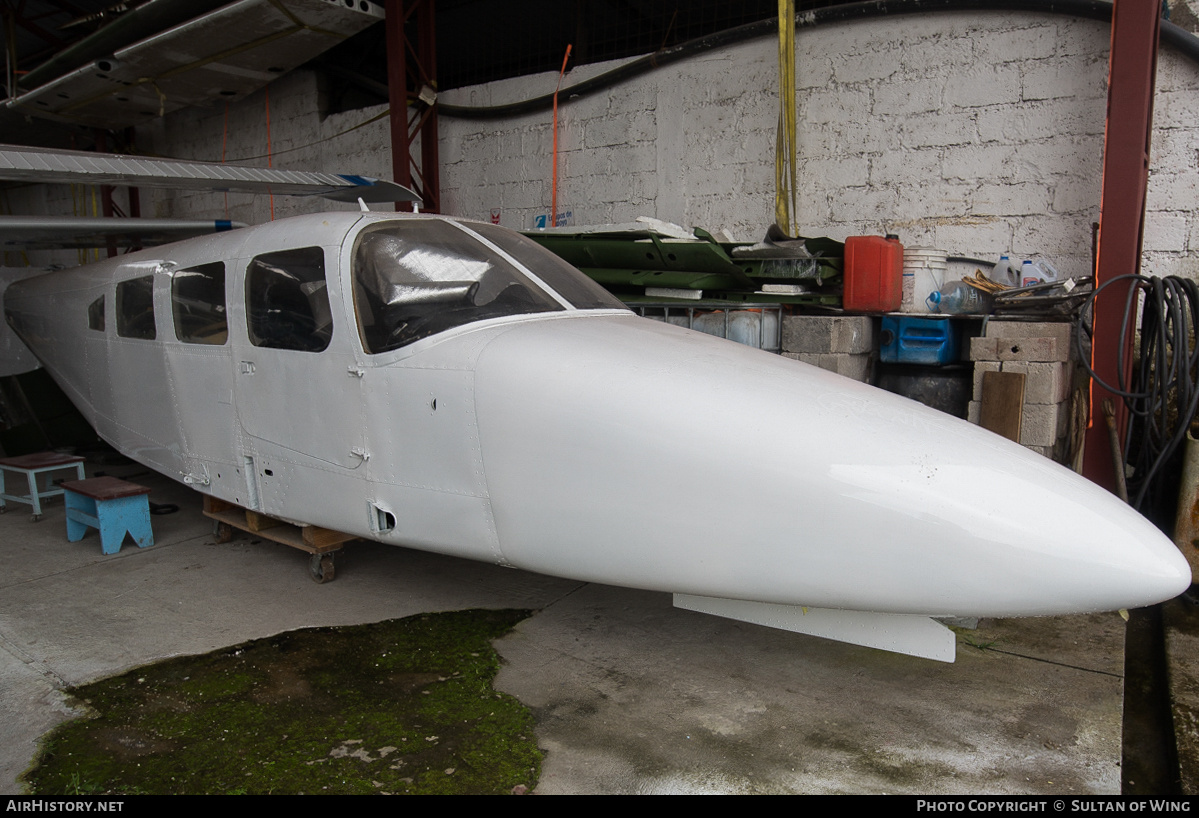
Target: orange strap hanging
{"points": [[554, 189]]}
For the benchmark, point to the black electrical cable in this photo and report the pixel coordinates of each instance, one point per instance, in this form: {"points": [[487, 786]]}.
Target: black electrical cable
{"points": [[1098, 10], [1162, 391]]}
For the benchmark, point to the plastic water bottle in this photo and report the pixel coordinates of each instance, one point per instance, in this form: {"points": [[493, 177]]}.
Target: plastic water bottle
{"points": [[1003, 271], [959, 298]]}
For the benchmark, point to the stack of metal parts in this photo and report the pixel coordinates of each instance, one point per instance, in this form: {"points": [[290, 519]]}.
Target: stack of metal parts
{"points": [[656, 262], [1049, 298]]}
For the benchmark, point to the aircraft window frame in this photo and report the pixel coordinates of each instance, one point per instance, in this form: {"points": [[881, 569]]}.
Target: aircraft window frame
{"points": [[135, 308], [198, 304], [415, 278], [287, 300], [95, 314], [552, 270]]}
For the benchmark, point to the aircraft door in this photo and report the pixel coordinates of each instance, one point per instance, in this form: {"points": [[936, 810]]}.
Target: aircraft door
{"points": [[296, 382], [145, 425], [197, 355]]}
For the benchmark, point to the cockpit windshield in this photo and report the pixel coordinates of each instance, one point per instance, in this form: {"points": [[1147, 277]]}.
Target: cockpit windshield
{"points": [[574, 286], [415, 278]]}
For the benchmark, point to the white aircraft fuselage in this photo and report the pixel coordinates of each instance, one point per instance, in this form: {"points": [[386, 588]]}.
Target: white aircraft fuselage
{"points": [[449, 386]]}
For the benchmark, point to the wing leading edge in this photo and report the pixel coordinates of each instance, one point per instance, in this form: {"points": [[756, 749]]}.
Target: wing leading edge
{"points": [[23, 164], [59, 232]]}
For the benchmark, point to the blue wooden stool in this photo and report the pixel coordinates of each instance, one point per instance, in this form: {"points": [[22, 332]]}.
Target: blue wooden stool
{"points": [[31, 465], [113, 506]]}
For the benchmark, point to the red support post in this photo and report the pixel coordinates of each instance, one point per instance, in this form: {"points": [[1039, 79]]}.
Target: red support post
{"points": [[1131, 69], [411, 78], [107, 206]]}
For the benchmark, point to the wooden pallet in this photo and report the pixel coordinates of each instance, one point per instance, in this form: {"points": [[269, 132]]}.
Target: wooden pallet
{"points": [[321, 543]]}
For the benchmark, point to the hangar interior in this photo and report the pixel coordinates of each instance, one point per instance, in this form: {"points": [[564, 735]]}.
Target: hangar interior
{"points": [[928, 198]]}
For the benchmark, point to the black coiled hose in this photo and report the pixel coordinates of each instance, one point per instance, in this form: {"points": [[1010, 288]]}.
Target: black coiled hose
{"points": [[1162, 391]]}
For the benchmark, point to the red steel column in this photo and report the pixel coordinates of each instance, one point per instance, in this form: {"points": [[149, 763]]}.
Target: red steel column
{"points": [[107, 206], [412, 69], [1131, 70]]}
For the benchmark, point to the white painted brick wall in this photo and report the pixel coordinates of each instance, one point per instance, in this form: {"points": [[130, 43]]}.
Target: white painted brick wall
{"points": [[301, 139], [973, 132], [976, 133]]}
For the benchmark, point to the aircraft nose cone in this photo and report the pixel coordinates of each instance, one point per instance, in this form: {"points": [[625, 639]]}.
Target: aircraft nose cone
{"points": [[626, 451]]}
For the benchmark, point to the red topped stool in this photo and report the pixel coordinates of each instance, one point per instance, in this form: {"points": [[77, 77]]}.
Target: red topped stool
{"points": [[113, 506], [31, 465]]}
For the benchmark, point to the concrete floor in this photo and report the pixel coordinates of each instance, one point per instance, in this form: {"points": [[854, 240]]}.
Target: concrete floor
{"points": [[631, 694]]}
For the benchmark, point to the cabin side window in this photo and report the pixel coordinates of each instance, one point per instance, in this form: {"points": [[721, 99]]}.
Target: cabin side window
{"points": [[413, 279], [198, 304], [287, 300], [135, 308], [95, 315]]}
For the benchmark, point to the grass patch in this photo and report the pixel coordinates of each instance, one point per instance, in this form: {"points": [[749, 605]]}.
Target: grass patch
{"points": [[402, 706]]}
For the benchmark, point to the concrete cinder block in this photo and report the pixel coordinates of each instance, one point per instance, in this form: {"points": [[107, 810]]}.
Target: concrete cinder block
{"points": [[1057, 81], [990, 85], [963, 164], [857, 367], [1026, 42], [906, 99], [979, 368], [1166, 231], [984, 349], [1023, 197], [1045, 383], [974, 410], [1031, 349], [942, 130], [1020, 330], [1041, 424], [852, 335], [840, 172], [880, 65]]}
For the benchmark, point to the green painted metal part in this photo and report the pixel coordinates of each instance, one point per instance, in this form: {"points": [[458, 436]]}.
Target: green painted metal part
{"points": [[719, 299], [648, 260]]}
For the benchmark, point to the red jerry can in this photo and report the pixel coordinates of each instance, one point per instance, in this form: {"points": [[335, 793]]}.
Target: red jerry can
{"points": [[873, 274]]}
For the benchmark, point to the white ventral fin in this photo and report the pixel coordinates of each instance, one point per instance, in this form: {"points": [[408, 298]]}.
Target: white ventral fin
{"points": [[912, 634]]}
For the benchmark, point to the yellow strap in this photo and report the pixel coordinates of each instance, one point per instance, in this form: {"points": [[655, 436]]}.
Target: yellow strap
{"points": [[784, 151]]}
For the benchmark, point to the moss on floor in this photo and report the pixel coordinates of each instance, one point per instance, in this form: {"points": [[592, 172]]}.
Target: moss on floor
{"points": [[402, 706]]}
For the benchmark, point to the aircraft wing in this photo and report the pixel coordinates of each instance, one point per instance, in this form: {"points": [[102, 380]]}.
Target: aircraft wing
{"points": [[224, 55], [57, 232], [41, 165]]}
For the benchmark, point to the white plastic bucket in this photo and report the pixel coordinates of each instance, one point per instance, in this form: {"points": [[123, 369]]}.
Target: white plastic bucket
{"points": [[924, 271]]}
